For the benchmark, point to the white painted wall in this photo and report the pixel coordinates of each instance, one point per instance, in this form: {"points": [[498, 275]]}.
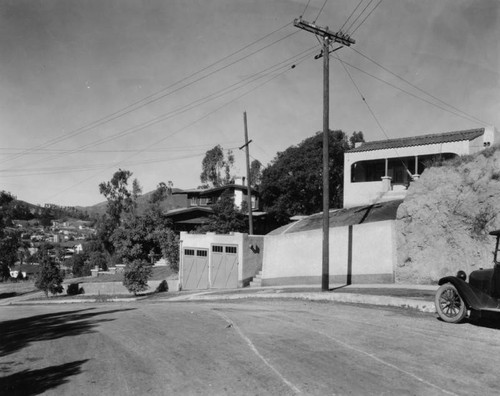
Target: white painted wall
{"points": [[296, 258], [356, 194]]}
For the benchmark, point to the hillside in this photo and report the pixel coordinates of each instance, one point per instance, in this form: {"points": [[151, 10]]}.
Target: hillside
{"points": [[172, 202], [444, 222]]}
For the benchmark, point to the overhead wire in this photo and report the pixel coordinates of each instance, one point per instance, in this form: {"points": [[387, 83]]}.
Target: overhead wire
{"points": [[222, 92], [407, 92], [153, 150], [189, 125], [320, 11], [366, 17], [350, 16], [371, 111], [152, 97], [307, 5], [418, 88], [359, 15]]}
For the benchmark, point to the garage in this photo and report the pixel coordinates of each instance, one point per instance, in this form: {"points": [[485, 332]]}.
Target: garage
{"points": [[195, 269], [219, 261], [224, 267]]}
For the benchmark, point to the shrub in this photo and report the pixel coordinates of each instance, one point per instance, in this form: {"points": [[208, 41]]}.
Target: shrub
{"points": [[73, 289], [136, 275], [162, 287]]}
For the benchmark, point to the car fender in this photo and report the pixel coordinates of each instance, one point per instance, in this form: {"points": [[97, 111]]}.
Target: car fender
{"points": [[470, 298]]}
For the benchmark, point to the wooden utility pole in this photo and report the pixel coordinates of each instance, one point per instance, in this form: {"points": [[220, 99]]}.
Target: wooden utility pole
{"points": [[249, 185], [343, 39]]}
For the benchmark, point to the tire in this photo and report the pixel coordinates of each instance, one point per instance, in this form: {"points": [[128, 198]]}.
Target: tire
{"points": [[449, 305]]}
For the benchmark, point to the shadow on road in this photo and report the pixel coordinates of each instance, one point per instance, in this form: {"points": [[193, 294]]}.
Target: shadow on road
{"points": [[19, 333], [8, 295], [34, 382]]}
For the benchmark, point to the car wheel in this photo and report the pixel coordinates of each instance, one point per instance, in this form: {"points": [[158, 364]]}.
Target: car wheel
{"points": [[449, 305]]}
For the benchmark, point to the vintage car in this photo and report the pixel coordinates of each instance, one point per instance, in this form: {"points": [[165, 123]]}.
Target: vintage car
{"points": [[457, 298]]}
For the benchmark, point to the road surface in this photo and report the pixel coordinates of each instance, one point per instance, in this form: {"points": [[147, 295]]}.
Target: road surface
{"points": [[250, 347]]}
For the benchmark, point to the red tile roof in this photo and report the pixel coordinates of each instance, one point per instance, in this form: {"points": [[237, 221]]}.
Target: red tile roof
{"points": [[436, 138]]}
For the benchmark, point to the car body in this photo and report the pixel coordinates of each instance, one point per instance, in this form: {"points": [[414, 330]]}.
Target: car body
{"points": [[456, 298]]}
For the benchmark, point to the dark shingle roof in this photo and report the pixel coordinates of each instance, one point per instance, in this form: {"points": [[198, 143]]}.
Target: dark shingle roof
{"points": [[436, 138]]}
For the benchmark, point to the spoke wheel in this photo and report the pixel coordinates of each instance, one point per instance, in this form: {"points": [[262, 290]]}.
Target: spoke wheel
{"points": [[449, 305]]}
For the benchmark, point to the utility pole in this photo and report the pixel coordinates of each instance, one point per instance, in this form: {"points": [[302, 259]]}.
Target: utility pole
{"points": [[343, 39], [249, 187]]}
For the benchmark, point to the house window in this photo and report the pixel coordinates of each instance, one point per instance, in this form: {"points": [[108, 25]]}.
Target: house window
{"points": [[204, 201], [218, 249], [189, 252], [231, 249], [201, 253]]}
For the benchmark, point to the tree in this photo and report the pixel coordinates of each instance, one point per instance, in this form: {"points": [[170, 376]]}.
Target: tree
{"points": [[255, 173], [122, 201], [79, 265], [97, 259], [49, 278], [9, 240], [136, 275], [293, 183], [226, 217], [169, 243], [216, 168], [356, 137]]}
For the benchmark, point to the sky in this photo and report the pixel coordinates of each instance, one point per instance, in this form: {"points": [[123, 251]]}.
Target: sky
{"points": [[92, 86]]}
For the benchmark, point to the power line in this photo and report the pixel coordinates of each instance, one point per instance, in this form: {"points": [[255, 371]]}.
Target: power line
{"points": [[151, 98], [359, 15], [321, 10], [185, 127], [417, 88], [407, 92], [366, 17], [152, 150], [350, 16], [371, 111], [307, 5], [192, 105]]}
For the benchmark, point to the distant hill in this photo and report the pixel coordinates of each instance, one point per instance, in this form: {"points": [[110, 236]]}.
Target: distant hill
{"points": [[171, 202]]}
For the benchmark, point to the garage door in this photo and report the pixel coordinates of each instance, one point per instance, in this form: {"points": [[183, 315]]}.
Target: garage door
{"points": [[195, 269], [224, 270]]}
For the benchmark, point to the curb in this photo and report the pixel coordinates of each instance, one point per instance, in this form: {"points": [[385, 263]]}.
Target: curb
{"points": [[398, 302]]}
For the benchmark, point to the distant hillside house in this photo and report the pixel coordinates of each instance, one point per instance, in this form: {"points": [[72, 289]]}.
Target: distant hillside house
{"points": [[199, 204], [382, 170]]}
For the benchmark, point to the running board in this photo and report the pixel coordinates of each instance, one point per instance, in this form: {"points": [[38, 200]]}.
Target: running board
{"points": [[497, 310]]}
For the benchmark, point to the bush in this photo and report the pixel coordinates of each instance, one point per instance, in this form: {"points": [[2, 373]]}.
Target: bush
{"points": [[162, 287], [136, 275], [74, 290]]}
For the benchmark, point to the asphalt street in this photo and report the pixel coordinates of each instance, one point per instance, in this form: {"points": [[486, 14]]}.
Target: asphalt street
{"points": [[245, 347]]}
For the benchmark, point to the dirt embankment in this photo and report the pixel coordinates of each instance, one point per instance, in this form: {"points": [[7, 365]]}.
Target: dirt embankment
{"points": [[444, 222]]}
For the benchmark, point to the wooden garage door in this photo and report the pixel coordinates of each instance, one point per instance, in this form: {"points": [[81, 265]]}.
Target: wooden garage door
{"points": [[195, 269], [224, 270]]}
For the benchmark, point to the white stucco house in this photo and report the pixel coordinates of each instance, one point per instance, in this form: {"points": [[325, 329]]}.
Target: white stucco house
{"points": [[382, 170]]}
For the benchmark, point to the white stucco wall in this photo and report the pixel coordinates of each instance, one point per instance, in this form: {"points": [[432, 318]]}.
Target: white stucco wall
{"points": [[363, 193], [296, 258]]}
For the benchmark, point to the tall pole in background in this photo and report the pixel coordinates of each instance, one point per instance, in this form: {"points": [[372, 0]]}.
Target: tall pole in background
{"points": [[343, 39], [249, 182]]}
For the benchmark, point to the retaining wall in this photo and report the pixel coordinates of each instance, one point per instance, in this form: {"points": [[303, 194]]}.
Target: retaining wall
{"points": [[296, 258]]}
